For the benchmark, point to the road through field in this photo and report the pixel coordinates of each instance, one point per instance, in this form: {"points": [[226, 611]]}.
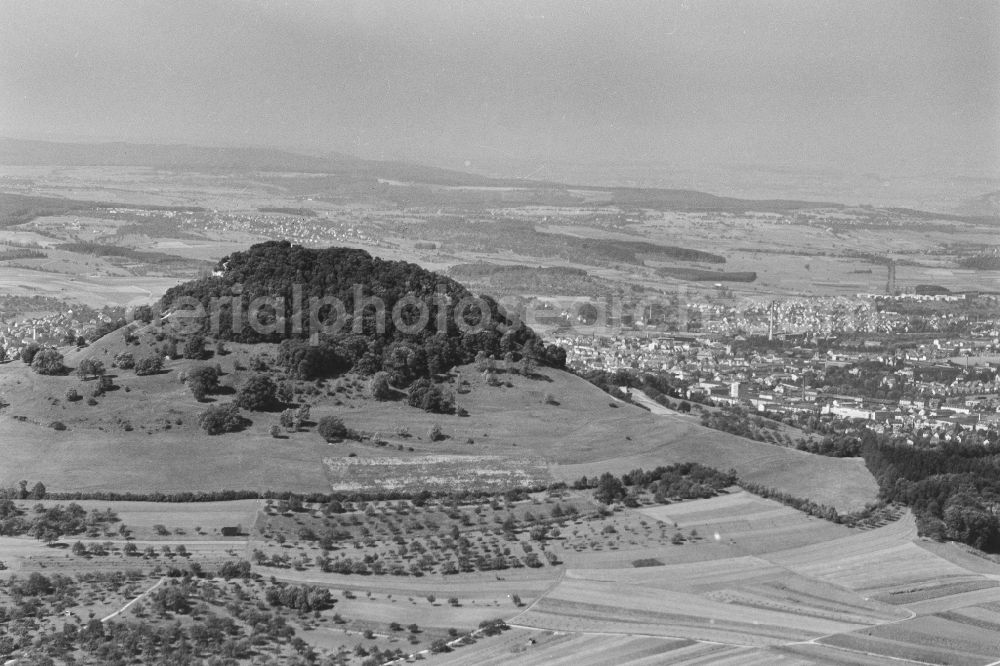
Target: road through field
{"points": [[124, 608], [641, 398]]}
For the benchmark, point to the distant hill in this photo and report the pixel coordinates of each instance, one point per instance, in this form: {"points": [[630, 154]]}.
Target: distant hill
{"points": [[400, 175], [987, 205], [200, 158]]}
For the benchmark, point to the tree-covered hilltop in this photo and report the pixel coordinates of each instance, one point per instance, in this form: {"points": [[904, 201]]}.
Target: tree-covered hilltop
{"points": [[453, 334]]}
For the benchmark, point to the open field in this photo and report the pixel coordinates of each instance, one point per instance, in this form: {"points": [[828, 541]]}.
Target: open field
{"points": [[747, 521], [123, 290], [435, 473], [166, 451], [549, 647]]}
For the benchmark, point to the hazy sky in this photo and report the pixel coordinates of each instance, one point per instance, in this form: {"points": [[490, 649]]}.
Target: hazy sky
{"points": [[894, 87]]}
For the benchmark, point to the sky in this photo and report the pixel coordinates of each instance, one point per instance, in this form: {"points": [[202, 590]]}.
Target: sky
{"points": [[897, 87]]}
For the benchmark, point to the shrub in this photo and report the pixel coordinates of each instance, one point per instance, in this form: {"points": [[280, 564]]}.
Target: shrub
{"points": [[150, 365], [289, 420], [440, 645], [218, 419], [274, 431], [332, 429], [379, 386], [124, 360], [436, 434], [425, 395], [72, 395]]}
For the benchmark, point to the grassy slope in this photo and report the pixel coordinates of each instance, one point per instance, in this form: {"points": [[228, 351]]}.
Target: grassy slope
{"points": [[583, 434]]}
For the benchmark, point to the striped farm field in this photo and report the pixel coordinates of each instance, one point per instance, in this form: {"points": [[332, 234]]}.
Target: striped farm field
{"points": [[573, 649], [926, 640], [753, 524], [516, 647], [820, 653], [756, 585], [881, 561], [587, 606], [754, 597], [934, 596]]}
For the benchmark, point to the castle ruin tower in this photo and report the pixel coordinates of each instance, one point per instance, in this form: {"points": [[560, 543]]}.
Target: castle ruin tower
{"points": [[890, 285]]}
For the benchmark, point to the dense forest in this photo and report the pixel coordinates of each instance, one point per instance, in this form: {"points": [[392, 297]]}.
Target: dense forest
{"points": [[700, 275], [982, 262], [521, 237], [953, 489], [485, 269], [380, 326], [18, 208], [102, 250]]}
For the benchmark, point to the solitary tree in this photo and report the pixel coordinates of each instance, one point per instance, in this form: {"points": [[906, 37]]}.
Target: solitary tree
{"points": [[289, 420], [194, 347], [332, 428], [202, 381], [28, 353], [609, 489], [124, 360], [258, 393], [48, 362], [150, 365], [379, 386], [218, 419], [89, 367]]}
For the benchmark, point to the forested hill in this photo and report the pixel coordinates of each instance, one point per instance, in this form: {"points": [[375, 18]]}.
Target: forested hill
{"points": [[437, 324]]}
